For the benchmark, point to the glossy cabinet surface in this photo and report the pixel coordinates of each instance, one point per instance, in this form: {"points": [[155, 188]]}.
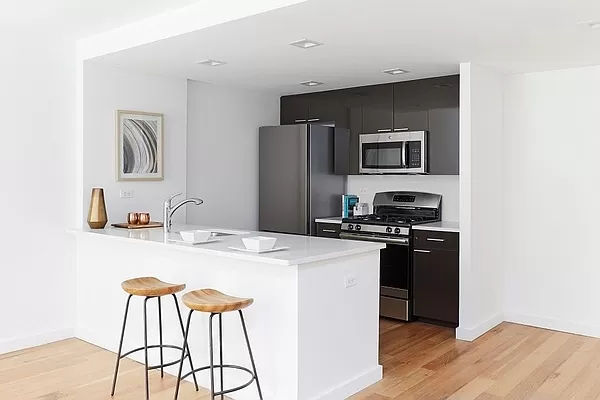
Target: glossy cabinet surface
{"points": [[411, 112], [378, 109], [421, 105], [329, 230], [294, 109], [436, 277]]}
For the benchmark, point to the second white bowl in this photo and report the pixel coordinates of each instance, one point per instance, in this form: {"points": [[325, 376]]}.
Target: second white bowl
{"points": [[259, 243], [195, 236]]}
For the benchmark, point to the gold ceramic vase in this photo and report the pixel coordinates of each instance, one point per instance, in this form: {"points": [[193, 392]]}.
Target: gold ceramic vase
{"points": [[97, 217]]}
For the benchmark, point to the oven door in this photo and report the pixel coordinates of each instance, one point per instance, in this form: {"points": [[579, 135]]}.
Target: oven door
{"points": [[395, 297], [393, 153]]}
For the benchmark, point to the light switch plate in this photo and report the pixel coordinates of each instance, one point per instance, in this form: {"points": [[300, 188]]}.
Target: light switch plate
{"points": [[349, 281]]}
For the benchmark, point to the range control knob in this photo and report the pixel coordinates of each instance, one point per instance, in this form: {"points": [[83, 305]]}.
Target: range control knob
{"points": [[388, 229], [358, 227], [397, 231], [350, 227]]}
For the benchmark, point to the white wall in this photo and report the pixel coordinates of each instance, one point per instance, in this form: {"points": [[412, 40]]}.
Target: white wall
{"points": [[222, 153], [37, 195], [365, 186], [481, 207], [107, 90], [551, 163]]}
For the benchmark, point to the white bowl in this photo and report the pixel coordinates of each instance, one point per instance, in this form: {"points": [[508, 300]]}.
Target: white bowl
{"points": [[259, 243], [195, 236]]}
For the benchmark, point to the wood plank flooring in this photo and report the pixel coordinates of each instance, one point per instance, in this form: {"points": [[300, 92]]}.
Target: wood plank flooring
{"points": [[420, 362]]}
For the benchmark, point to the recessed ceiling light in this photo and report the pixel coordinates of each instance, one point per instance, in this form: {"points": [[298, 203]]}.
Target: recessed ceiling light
{"points": [[211, 63], [395, 71], [306, 44], [311, 83], [591, 24]]}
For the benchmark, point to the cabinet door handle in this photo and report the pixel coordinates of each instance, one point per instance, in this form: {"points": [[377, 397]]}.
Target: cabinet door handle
{"points": [[422, 251], [312, 120], [384, 130], [401, 129], [435, 240], [329, 230], [300, 120]]}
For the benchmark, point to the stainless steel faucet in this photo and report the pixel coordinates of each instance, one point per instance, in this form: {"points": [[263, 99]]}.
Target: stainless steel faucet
{"points": [[169, 209]]}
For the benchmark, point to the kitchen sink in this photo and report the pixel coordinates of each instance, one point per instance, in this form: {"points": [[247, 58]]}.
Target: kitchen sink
{"points": [[220, 234], [225, 232]]}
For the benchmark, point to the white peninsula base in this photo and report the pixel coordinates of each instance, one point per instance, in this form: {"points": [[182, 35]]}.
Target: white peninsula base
{"points": [[312, 336]]}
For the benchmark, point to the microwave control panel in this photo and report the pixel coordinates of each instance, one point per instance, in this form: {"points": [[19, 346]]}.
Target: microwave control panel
{"points": [[414, 154]]}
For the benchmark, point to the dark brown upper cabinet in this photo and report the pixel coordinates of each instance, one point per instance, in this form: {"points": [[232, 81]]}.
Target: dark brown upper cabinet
{"points": [[443, 96], [443, 157], [328, 107], [442, 92], [294, 109], [411, 111], [378, 108], [426, 104]]}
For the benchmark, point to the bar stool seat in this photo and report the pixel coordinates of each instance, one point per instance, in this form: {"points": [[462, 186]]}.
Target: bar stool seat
{"points": [[150, 287], [213, 301]]}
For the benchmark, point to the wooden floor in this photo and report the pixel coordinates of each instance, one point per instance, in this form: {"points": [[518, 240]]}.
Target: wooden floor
{"points": [[420, 362]]}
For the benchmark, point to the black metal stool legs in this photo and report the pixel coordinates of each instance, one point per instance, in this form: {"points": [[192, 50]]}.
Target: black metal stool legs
{"points": [[221, 351], [160, 338], [112, 392], [186, 345], [146, 347], [212, 364], [185, 349], [251, 356], [211, 367]]}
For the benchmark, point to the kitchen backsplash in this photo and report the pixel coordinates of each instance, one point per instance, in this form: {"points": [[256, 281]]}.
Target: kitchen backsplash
{"points": [[365, 186]]}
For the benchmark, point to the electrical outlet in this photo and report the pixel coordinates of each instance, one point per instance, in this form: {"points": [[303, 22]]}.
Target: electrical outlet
{"points": [[364, 190], [350, 281], [127, 194]]}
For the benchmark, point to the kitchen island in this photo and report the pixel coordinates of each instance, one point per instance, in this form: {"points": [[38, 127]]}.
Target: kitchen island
{"points": [[314, 326]]}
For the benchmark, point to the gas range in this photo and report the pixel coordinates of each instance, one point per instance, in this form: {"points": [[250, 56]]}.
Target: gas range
{"points": [[394, 215]]}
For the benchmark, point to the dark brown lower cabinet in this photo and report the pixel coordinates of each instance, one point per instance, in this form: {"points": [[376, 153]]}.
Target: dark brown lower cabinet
{"points": [[435, 285], [329, 230]]}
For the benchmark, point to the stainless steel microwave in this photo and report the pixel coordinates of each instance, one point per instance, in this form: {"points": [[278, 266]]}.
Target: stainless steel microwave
{"points": [[393, 153]]}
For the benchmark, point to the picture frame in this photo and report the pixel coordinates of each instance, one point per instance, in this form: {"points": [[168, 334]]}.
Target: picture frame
{"points": [[139, 146]]}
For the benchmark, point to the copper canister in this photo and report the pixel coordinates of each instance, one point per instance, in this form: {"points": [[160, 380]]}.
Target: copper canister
{"points": [[144, 218], [133, 218]]}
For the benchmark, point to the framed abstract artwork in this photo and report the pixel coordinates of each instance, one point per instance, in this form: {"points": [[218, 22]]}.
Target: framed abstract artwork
{"points": [[139, 146]]}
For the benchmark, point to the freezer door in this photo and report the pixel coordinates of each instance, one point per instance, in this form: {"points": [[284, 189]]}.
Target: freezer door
{"points": [[325, 188], [283, 179]]}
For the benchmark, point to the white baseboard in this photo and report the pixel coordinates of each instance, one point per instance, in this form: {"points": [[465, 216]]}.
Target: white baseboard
{"points": [[354, 385], [37, 339], [472, 333], [554, 324]]}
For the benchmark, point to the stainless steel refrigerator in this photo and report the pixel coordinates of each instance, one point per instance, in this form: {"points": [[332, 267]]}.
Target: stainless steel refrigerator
{"points": [[297, 181]]}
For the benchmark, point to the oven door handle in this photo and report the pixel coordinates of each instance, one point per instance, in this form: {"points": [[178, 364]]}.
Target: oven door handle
{"points": [[351, 236]]}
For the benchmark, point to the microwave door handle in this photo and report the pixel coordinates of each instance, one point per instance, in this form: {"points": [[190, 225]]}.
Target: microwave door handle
{"points": [[404, 155]]}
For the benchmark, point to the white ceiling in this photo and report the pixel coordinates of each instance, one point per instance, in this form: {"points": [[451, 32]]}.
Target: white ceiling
{"points": [[426, 37], [81, 18]]}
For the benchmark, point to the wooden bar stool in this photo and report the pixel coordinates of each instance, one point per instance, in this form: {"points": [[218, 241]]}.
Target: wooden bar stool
{"points": [[217, 303], [150, 288]]}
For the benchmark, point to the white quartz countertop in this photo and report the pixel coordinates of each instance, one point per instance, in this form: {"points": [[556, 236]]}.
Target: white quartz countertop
{"points": [[302, 249], [329, 220], [440, 226]]}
